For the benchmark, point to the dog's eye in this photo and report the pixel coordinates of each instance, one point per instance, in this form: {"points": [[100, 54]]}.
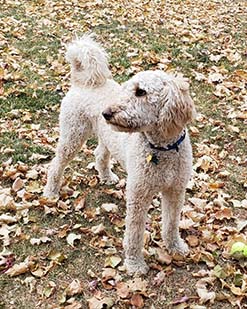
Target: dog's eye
{"points": [[140, 92]]}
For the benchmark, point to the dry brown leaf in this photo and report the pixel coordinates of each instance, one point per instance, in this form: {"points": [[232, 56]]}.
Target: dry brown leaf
{"points": [[93, 182], [203, 293], [32, 174], [116, 193], [74, 288], [163, 257], [122, 289], [20, 268], [198, 202], [108, 273], [138, 285], [192, 240], [96, 303], [186, 224], [137, 301], [79, 203], [18, 184], [159, 278], [225, 213]]}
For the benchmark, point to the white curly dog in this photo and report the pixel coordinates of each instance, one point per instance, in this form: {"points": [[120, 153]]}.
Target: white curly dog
{"points": [[142, 125]]}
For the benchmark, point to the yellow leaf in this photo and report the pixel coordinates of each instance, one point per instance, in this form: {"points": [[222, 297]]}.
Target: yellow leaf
{"points": [[112, 261]]}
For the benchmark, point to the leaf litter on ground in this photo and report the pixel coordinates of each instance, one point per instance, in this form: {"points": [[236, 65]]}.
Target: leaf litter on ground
{"points": [[68, 252]]}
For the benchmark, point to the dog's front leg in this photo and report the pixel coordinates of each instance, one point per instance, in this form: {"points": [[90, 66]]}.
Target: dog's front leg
{"points": [[172, 203], [137, 207]]}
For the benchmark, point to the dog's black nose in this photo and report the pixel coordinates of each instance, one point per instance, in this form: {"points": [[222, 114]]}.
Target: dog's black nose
{"points": [[107, 114]]}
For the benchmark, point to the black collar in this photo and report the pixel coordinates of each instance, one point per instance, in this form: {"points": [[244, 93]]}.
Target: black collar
{"points": [[170, 146]]}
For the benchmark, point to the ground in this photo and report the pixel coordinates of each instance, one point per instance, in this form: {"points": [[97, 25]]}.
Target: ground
{"points": [[68, 253]]}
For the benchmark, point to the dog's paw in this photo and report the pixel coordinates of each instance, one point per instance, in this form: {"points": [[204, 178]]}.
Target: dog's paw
{"points": [[111, 179], [177, 246], [136, 266]]}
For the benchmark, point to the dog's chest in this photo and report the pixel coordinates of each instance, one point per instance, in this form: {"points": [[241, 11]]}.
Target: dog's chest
{"points": [[161, 168]]}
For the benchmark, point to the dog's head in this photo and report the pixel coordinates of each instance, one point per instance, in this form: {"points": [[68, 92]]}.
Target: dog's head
{"points": [[152, 100]]}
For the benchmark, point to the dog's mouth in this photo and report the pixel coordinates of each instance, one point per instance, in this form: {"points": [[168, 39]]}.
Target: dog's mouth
{"points": [[120, 120], [116, 118], [120, 127]]}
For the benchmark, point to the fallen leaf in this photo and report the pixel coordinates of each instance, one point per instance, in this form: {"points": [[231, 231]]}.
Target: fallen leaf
{"points": [[18, 184], [95, 303], [71, 238], [137, 301], [203, 293], [163, 257], [56, 256], [38, 241], [138, 285], [32, 174], [181, 300], [108, 273], [7, 219], [122, 289], [93, 182], [74, 288], [39, 272], [98, 229], [110, 208], [49, 289], [112, 261], [225, 213], [20, 268], [159, 278], [79, 203], [192, 240]]}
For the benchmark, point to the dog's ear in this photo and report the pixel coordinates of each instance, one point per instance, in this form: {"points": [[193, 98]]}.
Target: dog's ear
{"points": [[184, 102], [179, 108]]}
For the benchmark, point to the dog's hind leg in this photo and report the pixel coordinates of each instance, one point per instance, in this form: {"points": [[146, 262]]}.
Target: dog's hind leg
{"points": [[70, 142], [172, 203], [102, 165]]}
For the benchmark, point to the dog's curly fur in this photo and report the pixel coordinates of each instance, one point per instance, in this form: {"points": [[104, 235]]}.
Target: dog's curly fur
{"points": [[152, 107]]}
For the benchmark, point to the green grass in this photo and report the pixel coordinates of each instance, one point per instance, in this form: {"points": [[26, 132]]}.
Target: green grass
{"points": [[23, 149], [38, 106], [27, 101]]}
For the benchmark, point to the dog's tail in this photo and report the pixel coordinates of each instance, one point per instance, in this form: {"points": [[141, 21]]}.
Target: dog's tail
{"points": [[89, 62]]}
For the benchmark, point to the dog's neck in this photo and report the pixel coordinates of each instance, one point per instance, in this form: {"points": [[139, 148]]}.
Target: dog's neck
{"points": [[158, 139]]}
